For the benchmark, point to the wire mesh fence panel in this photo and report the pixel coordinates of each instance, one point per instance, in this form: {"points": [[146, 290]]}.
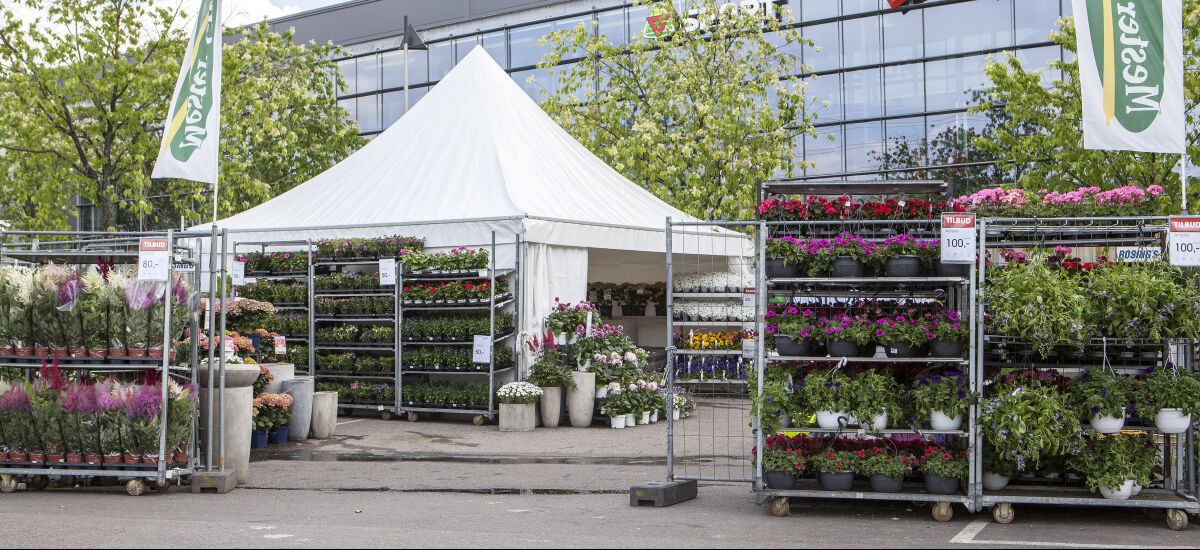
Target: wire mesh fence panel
{"points": [[712, 306]]}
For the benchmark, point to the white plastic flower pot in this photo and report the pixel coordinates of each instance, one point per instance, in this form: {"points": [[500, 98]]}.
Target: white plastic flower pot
{"points": [[654, 417], [675, 414], [939, 421], [994, 482], [645, 419], [630, 419], [879, 422], [618, 422], [1107, 424], [601, 392], [1137, 490], [1119, 493], [828, 420], [1172, 421]]}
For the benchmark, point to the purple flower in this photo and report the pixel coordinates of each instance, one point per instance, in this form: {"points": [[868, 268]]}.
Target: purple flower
{"points": [[70, 289], [937, 378], [962, 394]]}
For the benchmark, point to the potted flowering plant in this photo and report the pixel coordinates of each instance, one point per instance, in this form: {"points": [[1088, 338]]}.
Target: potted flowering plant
{"points": [[886, 469], [872, 394], [785, 258], [1171, 395], [835, 469], [794, 331], [899, 256], [517, 413], [20, 431], [566, 318], [43, 402], [1043, 307], [997, 470], [949, 334], [617, 405], [550, 373], [145, 414], [901, 336], [19, 284], [1114, 464], [845, 335], [1102, 398], [943, 469], [945, 398], [1024, 424], [844, 256], [781, 466], [829, 395]]}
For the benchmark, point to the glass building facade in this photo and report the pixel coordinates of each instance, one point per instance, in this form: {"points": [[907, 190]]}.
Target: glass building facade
{"points": [[891, 76]]}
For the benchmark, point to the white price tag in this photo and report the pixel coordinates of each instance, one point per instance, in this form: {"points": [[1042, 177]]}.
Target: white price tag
{"points": [[1183, 242], [748, 347], [153, 260], [230, 346], [1136, 254], [959, 240], [482, 352], [239, 273], [280, 345], [483, 273], [387, 272], [748, 297], [588, 326]]}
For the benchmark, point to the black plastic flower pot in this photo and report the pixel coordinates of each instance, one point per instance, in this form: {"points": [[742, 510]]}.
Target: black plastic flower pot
{"points": [[845, 267], [884, 484], [788, 347], [902, 266], [632, 311], [777, 269], [779, 479], [938, 485], [899, 350], [952, 270], [940, 348], [836, 481], [842, 348]]}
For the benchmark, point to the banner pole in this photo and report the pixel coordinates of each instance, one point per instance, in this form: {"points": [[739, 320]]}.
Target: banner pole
{"points": [[217, 187], [1183, 180]]}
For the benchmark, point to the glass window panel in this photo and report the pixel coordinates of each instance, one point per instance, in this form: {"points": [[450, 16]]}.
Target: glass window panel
{"points": [[813, 10], [637, 21], [1035, 19], [393, 68], [902, 34], [368, 113], [904, 143], [368, 73], [1038, 59], [441, 60], [864, 146], [904, 89], [780, 45], [821, 89], [496, 46], [463, 46], [349, 77], [863, 94], [523, 46], [348, 105], [612, 26], [949, 83], [858, 6], [825, 155], [860, 42], [415, 95], [1068, 9], [541, 80], [968, 27], [827, 38], [950, 135], [393, 107]]}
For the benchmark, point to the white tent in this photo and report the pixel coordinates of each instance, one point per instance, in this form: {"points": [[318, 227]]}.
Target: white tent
{"points": [[477, 155]]}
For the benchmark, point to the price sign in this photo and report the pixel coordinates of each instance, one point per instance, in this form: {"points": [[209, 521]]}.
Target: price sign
{"points": [[748, 347], [959, 241], [230, 346], [153, 260], [239, 273], [387, 272], [280, 345], [483, 274], [482, 352], [1183, 242], [588, 325], [748, 297]]}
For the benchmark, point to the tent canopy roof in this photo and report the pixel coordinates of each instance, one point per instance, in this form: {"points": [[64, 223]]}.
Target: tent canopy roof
{"points": [[475, 149]]}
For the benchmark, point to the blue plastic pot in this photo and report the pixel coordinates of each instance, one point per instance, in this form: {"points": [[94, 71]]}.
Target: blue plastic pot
{"points": [[278, 435], [258, 440]]}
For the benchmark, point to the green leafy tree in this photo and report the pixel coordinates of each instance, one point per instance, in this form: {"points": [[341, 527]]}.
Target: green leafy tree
{"points": [[1041, 133], [696, 117], [84, 90]]}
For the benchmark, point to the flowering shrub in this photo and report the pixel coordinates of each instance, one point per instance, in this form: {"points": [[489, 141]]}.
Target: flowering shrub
{"points": [[889, 463], [518, 393], [271, 410], [857, 329], [903, 245], [566, 317], [825, 391], [795, 323], [947, 326], [1039, 305], [820, 253], [1167, 388], [1110, 460]]}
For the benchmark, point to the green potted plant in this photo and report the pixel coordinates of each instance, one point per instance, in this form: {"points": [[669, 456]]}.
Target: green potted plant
{"points": [[847, 336], [785, 258], [550, 373], [997, 471], [949, 334], [944, 470], [944, 398], [1040, 307], [898, 256], [873, 394], [835, 469], [794, 331], [1113, 464], [517, 413], [827, 394], [781, 466], [773, 404], [1102, 398], [886, 469], [1025, 424], [616, 406], [901, 336], [844, 256], [1171, 395]]}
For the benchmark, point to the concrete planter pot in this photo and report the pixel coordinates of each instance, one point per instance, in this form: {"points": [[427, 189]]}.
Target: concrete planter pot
{"points": [[581, 400], [301, 390], [517, 417], [324, 414], [551, 404]]}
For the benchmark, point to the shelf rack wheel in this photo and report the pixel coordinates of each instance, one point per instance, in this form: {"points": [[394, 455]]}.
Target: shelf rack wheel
{"points": [[135, 487], [942, 511], [1177, 519], [478, 420], [1003, 513], [413, 416], [780, 507], [8, 483]]}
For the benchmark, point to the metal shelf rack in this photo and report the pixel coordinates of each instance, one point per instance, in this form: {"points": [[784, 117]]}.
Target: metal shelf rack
{"points": [[306, 247]]}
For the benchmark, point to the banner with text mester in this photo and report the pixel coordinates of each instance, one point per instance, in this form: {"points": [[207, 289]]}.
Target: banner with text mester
{"points": [[1131, 74], [191, 133]]}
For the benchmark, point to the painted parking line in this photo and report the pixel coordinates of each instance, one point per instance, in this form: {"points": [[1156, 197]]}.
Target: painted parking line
{"points": [[351, 421], [968, 534]]}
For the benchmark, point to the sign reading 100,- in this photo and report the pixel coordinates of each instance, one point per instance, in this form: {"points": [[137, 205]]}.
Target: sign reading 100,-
{"points": [[959, 240], [1183, 241]]}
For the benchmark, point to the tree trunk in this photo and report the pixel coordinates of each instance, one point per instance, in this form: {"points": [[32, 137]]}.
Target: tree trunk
{"points": [[105, 204]]}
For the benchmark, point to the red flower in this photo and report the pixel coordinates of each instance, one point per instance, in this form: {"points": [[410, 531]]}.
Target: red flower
{"points": [[945, 456]]}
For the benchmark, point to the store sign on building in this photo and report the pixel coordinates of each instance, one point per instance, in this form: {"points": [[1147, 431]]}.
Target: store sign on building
{"points": [[660, 24]]}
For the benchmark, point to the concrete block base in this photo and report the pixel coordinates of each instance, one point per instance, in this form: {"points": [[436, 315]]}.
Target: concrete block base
{"points": [[518, 417], [219, 482], [662, 493]]}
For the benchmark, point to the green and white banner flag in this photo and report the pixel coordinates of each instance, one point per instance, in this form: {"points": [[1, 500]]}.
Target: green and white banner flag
{"points": [[191, 134], [1131, 71]]}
